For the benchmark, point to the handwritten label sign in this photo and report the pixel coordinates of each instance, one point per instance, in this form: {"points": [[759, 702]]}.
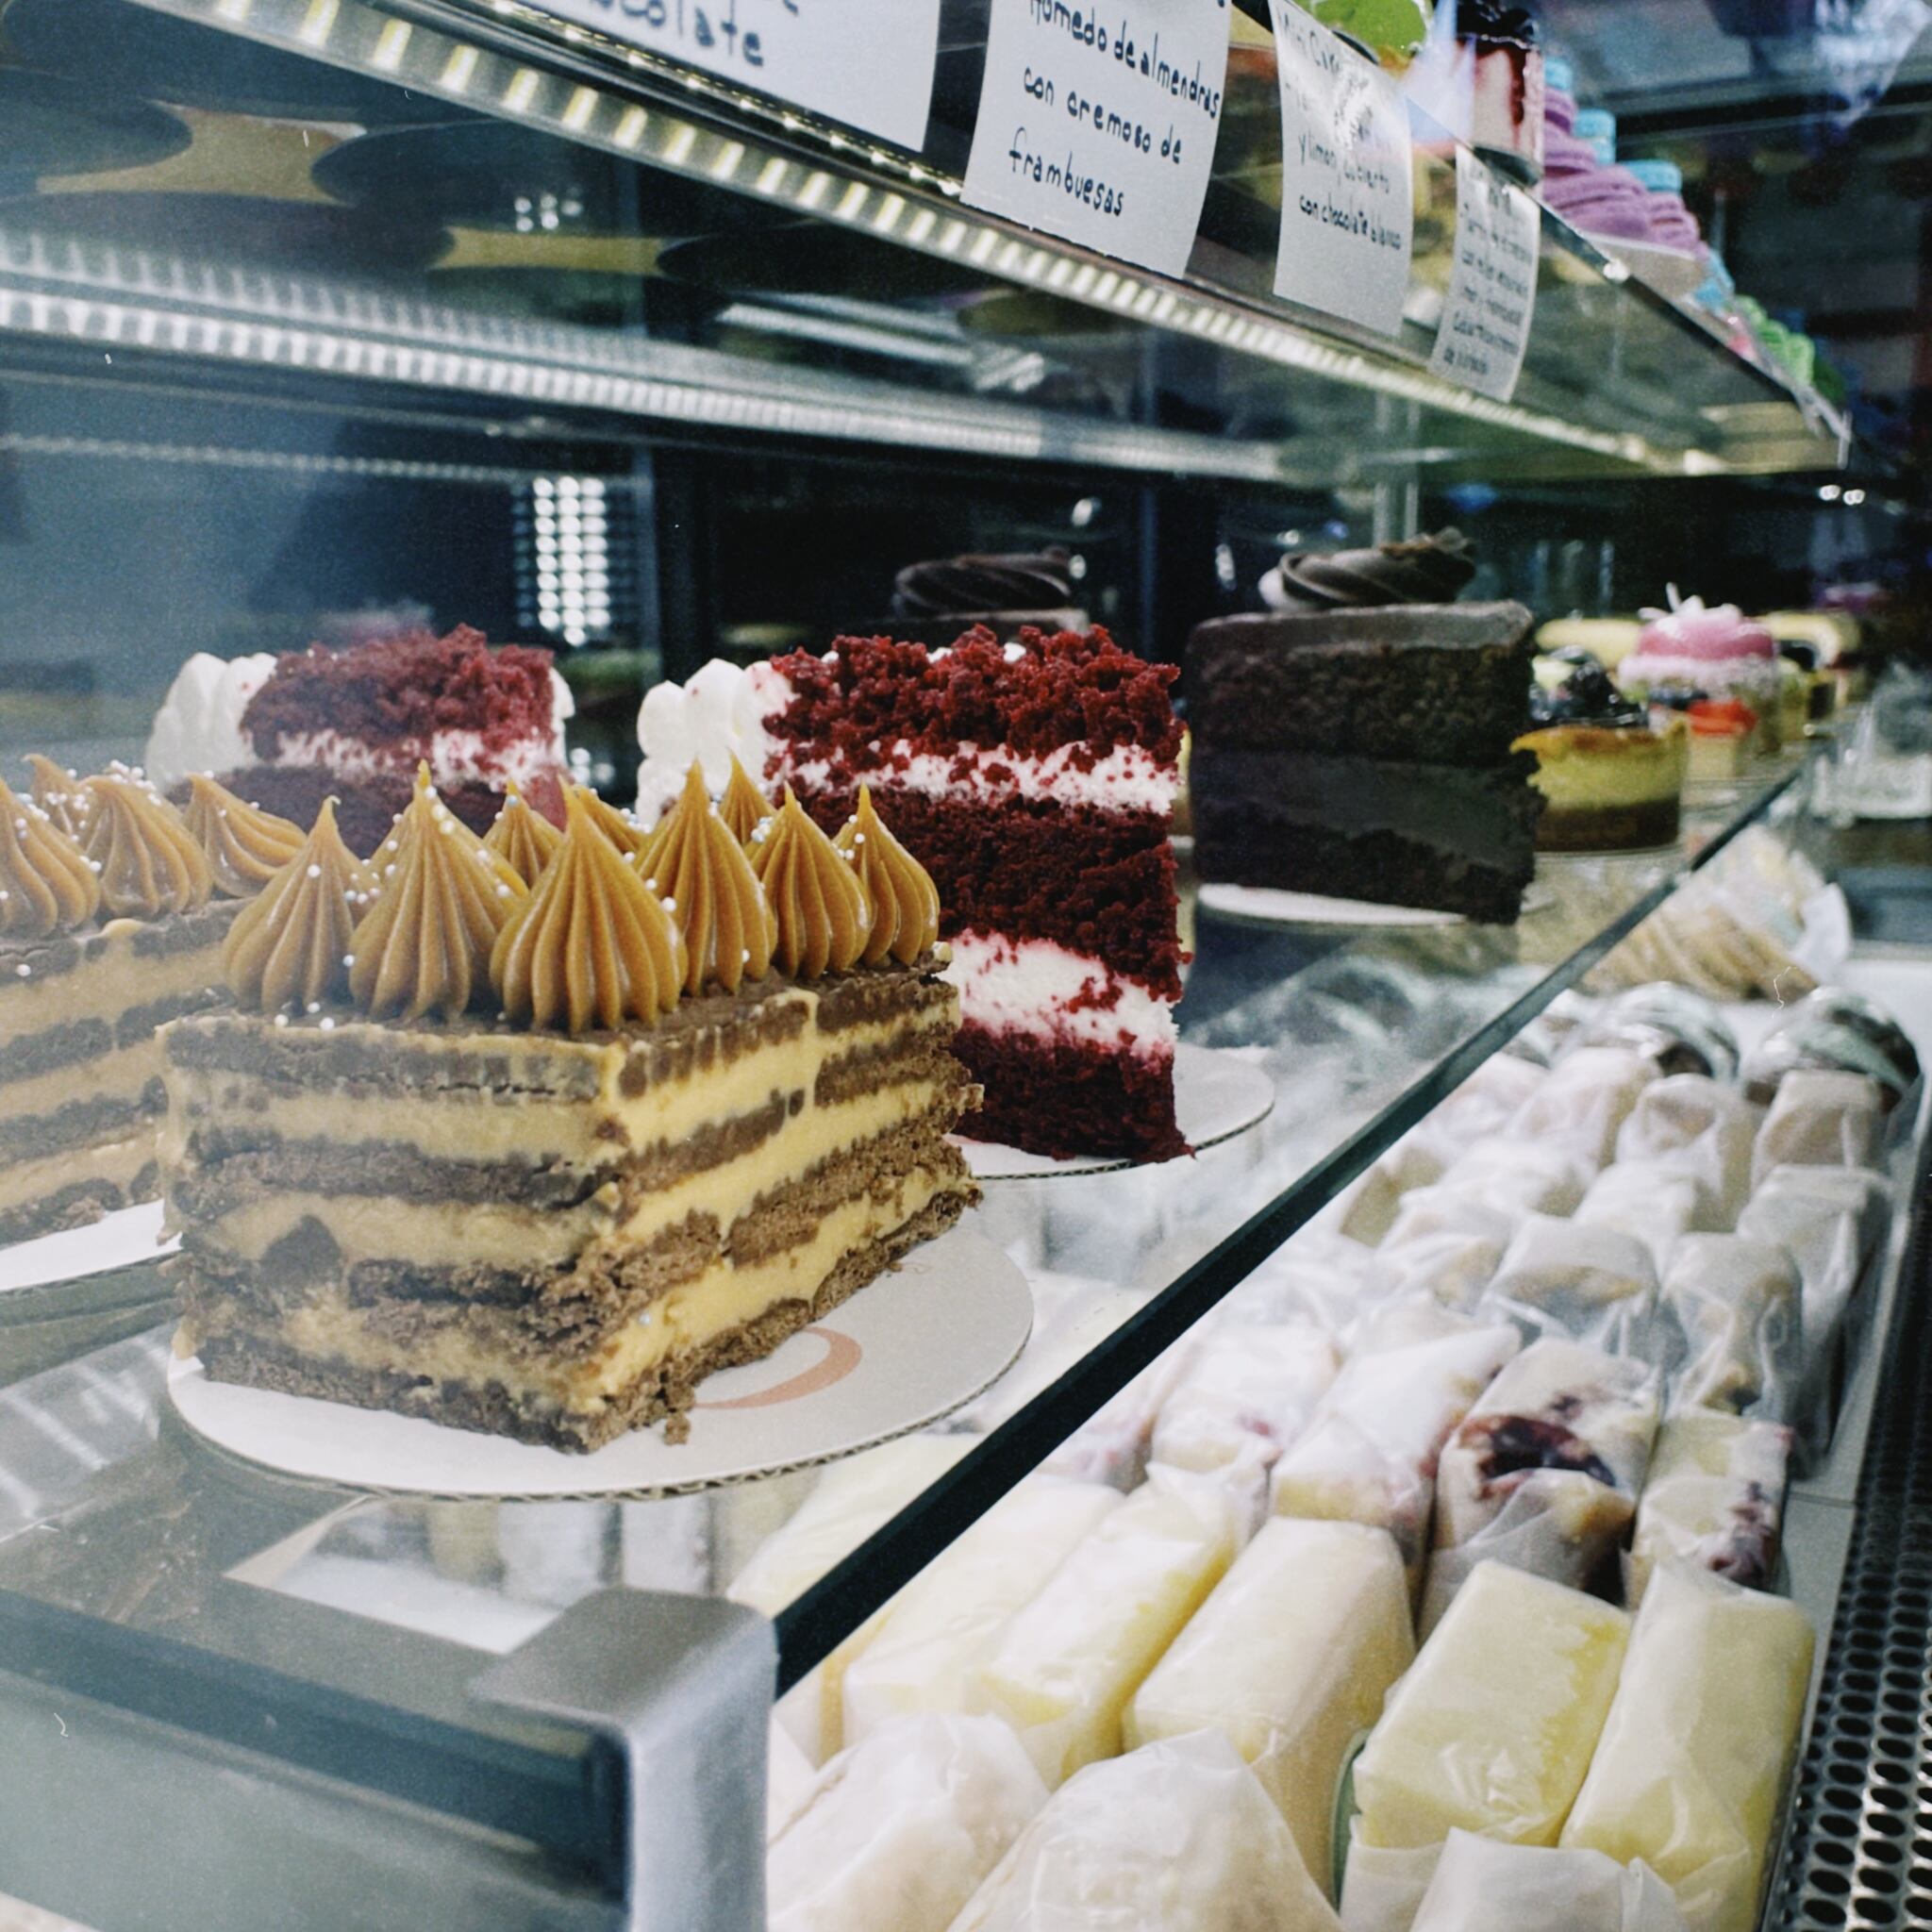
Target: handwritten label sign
{"points": [[868, 66], [1348, 181], [1492, 296], [1097, 121]]}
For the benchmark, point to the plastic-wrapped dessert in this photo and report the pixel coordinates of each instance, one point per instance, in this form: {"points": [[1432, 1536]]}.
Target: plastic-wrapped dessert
{"points": [[1246, 1394], [1737, 1304], [1610, 780], [1698, 1124], [1480, 77], [1716, 652], [1064, 1668], [1683, 1032], [1176, 1837], [1834, 1031], [1519, 1175], [1493, 1729], [1829, 1220], [1654, 1201], [1369, 1455], [899, 1832], [1290, 1660], [1820, 1119], [1691, 1770], [1545, 1472], [1585, 1102], [1714, 1500], [1579, 1279], [1451, 1263]]}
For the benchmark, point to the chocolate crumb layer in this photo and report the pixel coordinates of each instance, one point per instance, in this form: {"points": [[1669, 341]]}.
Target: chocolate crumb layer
{"points": [[79, 1205], [81, 1123]]}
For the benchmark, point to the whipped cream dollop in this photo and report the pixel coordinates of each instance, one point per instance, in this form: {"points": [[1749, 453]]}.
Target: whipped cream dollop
{"points": [[198, 727], [1707, 633], [717, 714]]}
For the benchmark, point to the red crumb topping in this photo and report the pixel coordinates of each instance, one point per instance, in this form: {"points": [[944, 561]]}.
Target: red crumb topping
{"points": [[401, 691], [1067, 688]]}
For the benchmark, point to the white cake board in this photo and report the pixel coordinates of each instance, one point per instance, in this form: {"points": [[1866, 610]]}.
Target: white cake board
{"points": [[1267, 905], [1217, 1094], [121, 1239], [903, 1351]]}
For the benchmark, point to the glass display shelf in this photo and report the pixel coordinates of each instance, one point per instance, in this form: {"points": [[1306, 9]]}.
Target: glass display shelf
{"points": [[579, 232]]}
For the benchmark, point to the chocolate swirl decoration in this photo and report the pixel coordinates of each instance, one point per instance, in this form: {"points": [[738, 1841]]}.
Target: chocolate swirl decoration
{"points": [[442, 898], [744, 808], [904, 901], [592, 945], [46, 885], [707, 884], [523, 837], [149, 862], [625, 833], [1427, 570], [291, 946], [975, 585], [245, 845], [823, 918], [61, 795]]}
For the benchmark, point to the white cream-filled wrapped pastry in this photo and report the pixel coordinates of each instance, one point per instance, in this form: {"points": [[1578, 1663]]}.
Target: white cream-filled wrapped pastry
{"points": [[899, 1832], [1176, 1837], [1583, 1104], [1577, 1279], [1545, 1471], [1830, 1221], [1714, 1500], [1699, 1124], [1451, 1265], [1113, 1445], [1520, 1176], [1493, 1729], [1480, 1886], [1065, 1666], [1691, 1766], [944, 1624], [1370, 1205], [1737, 1304], [1317, 1279], [1820, 1119], [850, 1501], [1290, 1660], [1369, 1455], [1485, 1101], [1245, 1394], [1652, 1200]]}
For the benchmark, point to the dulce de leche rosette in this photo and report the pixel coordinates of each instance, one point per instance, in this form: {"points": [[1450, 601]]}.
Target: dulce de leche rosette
{"points": [[825, 918], [904, 901], [697, 865], [245, 845], [149, 862], [46, 885], [522, 836], [290, 948]]}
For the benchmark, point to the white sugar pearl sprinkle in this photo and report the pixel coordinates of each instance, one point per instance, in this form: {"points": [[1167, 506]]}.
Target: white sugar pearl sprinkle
{"points": [[315, 872]]}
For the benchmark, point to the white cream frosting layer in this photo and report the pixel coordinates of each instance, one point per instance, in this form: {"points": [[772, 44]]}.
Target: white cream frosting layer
{"points": [[1037, 988], [726, 710]]}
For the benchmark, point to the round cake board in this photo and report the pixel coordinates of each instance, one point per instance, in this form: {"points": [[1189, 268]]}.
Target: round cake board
{"points": [[121, 1239], [904, 1351], [1266, 906], [1217, 1094]]}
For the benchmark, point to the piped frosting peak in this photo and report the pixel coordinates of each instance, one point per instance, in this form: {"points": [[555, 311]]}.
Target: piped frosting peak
{"points": [[625, 833], [291, 946], [522, 836], [591, 946], [61, 794], [149, 863], [46, 885], [904, 901], [744, 808], [442, 898], [823, 915], [245, 845], [694, 864]]}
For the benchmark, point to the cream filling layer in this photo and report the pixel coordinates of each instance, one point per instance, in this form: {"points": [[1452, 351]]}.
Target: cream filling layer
{"points": [[122, 1074], [1051, 993], [724, 1297], [37, 1180], [105, 985], [464, 1124], [460, 1234]]}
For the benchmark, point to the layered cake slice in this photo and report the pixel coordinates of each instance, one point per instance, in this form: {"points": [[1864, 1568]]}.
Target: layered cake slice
{"points": [[103, 938], [1357, 744], [353, 724], [536, 1158], [1036, 781]]}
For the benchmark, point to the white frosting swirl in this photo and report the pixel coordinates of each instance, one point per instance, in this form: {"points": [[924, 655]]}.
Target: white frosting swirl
{"points": [[198, 727], [718, 714]]}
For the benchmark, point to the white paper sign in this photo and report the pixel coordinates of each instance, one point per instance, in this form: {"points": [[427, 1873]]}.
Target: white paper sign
{"points": [[1097, 122], [1492, 296], [1347, 182], [868, 65]]}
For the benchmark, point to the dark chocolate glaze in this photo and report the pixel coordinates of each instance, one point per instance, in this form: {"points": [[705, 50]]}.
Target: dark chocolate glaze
{"points": [[1428, 570], [970, 586], [1496, 20], [1587, 696]]}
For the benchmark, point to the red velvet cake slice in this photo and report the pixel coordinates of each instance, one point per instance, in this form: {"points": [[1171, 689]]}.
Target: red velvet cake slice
{"points": [[1036, 782], [353, 724]]}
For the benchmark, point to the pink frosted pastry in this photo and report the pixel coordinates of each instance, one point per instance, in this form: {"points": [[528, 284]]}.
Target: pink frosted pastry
{"points": [[1715, 649]]}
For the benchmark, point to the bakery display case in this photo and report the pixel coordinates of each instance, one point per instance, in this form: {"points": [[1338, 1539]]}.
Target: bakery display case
{"points": [[1447, 1210]]}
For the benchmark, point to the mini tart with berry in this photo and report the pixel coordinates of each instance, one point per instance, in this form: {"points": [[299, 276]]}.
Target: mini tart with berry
{"points": [[113, 909], [530, 1137], [1610, 782]]}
